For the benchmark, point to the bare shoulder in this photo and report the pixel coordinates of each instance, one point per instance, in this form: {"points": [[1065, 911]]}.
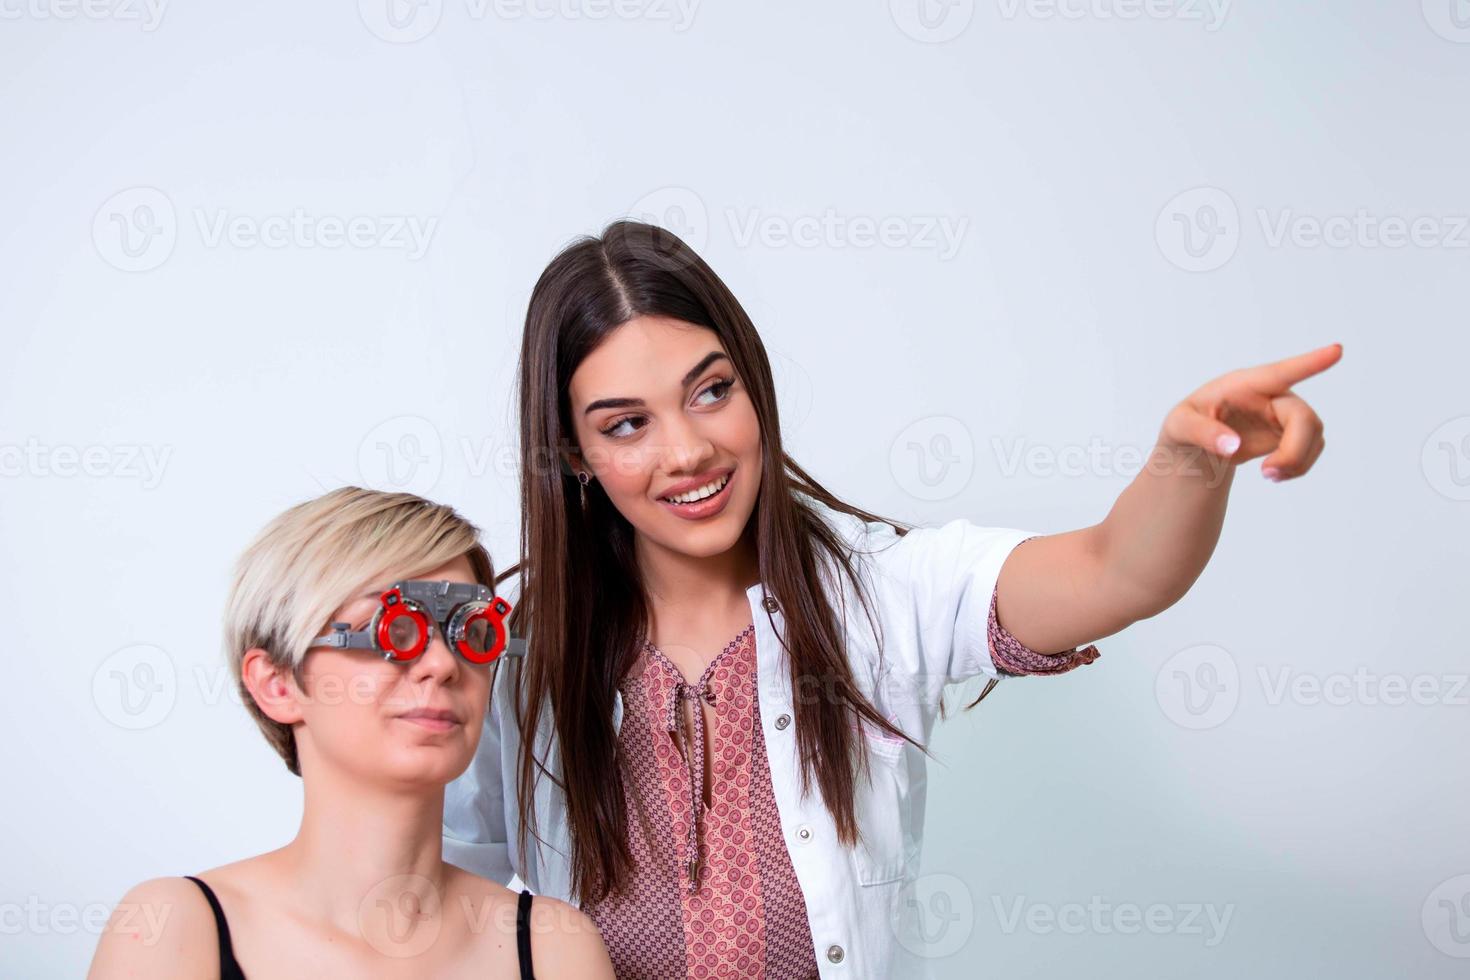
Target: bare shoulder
{"points": [[489, 906], [162, 928], [565, 942]]}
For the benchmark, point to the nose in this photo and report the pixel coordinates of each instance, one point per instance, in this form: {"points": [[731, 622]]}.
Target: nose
{"points": [[437, 662], [687, 449]]}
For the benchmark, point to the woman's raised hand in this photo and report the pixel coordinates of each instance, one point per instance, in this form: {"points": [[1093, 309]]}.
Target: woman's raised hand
{"points": [[1253, 412]]}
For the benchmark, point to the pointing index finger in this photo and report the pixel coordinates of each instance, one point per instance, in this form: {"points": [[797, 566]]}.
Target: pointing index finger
{"points": [[1281, 375]]}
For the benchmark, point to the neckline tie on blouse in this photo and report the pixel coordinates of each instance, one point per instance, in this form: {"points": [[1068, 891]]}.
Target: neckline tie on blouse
{"points": [[693, 693]]}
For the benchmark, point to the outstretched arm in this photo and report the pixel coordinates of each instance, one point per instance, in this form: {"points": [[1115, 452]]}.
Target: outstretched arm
{"points": [[1066, 590]]}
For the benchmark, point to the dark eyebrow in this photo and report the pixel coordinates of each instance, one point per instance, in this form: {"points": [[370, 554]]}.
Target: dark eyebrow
{"points": [[688, 379]]}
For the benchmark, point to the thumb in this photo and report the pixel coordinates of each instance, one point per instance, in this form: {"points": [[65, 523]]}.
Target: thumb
{"points": [[1193, 428]]}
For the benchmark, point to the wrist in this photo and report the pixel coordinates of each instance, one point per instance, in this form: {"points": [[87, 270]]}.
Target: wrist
{"points": [[1171, 458]]}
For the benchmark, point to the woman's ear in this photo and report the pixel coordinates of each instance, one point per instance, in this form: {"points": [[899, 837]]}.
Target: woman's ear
{"points": [[273, 688]]}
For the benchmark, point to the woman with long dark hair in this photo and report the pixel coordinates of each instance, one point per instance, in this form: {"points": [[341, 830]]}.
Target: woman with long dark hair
{"points": [[715, 743]]}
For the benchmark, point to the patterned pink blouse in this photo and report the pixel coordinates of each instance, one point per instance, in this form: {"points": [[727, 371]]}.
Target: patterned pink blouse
{"points": [[713, 892]]}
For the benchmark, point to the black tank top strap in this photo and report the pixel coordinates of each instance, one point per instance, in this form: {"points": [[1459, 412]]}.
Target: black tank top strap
{"points": [[229, 967], [523, 935]]}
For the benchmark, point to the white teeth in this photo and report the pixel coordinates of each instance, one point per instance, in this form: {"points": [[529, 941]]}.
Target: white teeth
{"points": [[708, 490]]}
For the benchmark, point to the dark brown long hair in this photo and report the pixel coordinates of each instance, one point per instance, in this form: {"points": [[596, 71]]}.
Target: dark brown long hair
{"points": [[582, 603]]}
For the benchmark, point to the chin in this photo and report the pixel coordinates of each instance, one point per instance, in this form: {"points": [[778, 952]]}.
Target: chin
{"points": [[706, 540], [428, 765], [705, 546], [427, 779]]}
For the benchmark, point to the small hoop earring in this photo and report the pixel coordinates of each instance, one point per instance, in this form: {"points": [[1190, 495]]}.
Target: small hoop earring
{"points": [[583, 478]]}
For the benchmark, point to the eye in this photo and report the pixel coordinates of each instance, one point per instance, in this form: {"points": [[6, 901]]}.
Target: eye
{"points": [[720, 390], [623, 427], [359, 616]]}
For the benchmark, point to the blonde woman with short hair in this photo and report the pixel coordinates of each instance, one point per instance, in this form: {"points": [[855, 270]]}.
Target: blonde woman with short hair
{"points": [[362, 630]]}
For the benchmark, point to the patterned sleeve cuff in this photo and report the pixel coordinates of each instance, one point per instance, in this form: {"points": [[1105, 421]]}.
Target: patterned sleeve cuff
{"points": [[1013, 657]]}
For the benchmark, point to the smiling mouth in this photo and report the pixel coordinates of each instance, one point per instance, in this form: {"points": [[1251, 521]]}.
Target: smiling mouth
{"points": [[705, 492]]}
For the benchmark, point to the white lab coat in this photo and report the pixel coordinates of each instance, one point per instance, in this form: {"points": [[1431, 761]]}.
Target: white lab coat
{"points": [[930, 591]]}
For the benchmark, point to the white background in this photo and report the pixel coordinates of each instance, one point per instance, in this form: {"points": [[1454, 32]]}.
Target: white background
{"points": [[1010, 374]]}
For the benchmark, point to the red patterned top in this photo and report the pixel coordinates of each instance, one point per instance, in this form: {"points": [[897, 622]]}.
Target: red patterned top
{"points": [[713, 893]]}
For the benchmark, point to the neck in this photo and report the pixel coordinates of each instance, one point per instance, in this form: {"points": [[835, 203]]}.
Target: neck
{"points": [[679, 581], [356, 840]]}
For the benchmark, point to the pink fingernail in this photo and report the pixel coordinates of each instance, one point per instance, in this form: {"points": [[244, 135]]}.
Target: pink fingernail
{"points": [[1228, 444], [1271, 473]]}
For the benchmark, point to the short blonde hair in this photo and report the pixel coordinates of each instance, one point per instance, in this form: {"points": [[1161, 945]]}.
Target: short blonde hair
{"points": [[317, 555]]}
